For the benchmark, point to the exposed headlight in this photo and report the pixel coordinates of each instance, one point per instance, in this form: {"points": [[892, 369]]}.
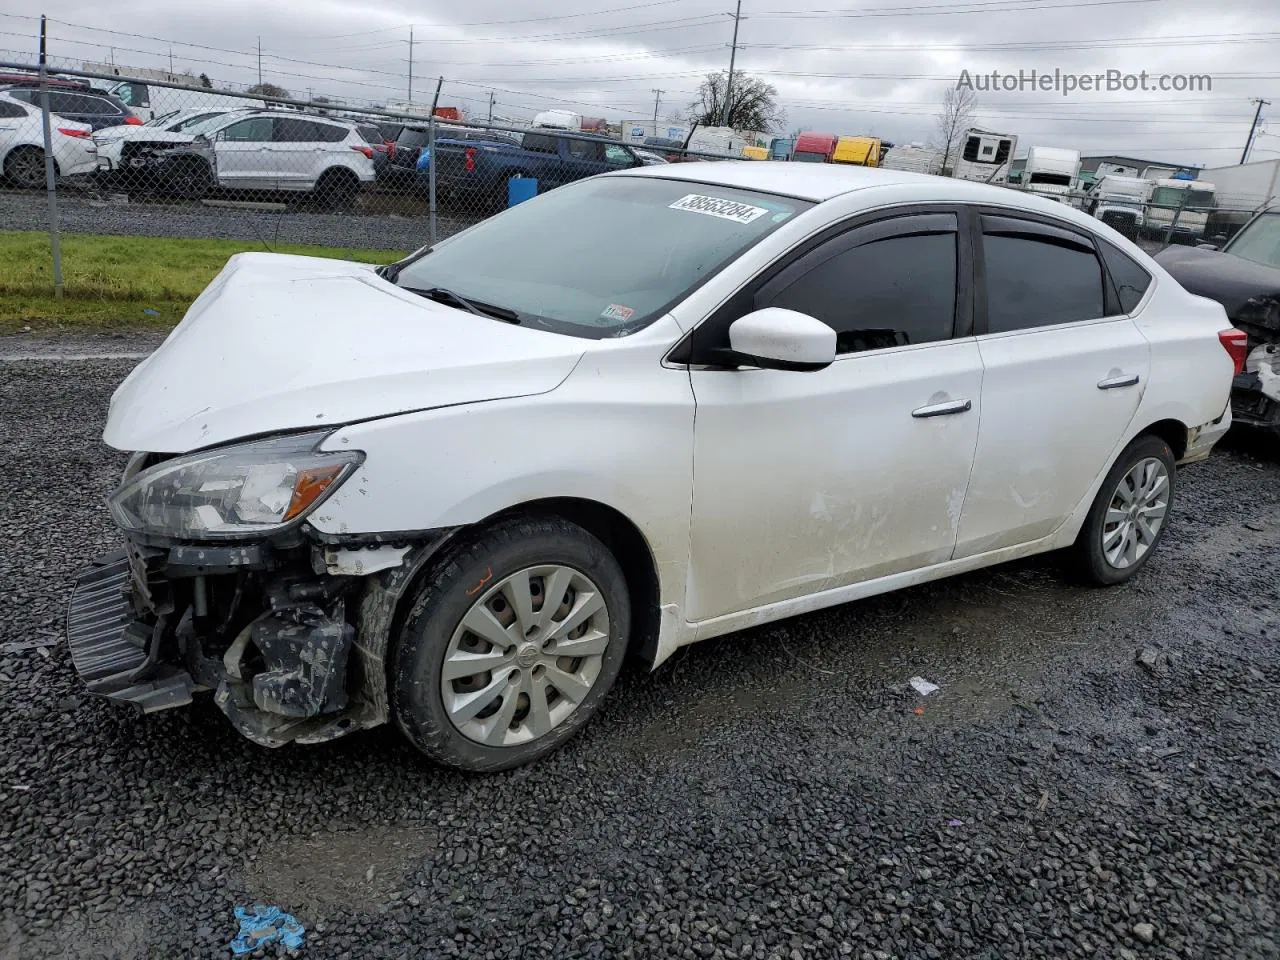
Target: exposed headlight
{"points": [[232, 493]]}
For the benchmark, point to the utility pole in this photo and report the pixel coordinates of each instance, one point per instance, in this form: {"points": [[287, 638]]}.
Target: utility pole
{"points": [[411, 63], [657, 98], [1253, 128], [733, 53], [492, 98], [259, 60], [171, 63]]}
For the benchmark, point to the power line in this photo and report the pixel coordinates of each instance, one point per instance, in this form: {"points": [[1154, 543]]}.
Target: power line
{"points": [[994, 6], [1115, 43]]}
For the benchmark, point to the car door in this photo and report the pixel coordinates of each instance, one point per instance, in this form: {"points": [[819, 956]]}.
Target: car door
{"points": [[244, 162], [1065, 369], [805, 482], [580, 159], [292, 153]]}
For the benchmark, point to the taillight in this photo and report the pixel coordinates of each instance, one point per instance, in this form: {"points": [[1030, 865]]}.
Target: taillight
{"points": [[67, 131], [1236, 343], [470, 154], [367, 151], [132, 121]]}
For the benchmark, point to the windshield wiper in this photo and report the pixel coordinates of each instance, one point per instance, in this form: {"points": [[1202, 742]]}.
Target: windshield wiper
{"points": [[444, 295]]}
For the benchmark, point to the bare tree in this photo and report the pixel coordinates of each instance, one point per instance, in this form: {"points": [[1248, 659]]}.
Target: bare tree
{"points": [[958, 104], [753, 103]]}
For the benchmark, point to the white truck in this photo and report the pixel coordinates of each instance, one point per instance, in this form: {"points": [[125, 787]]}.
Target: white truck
{"points": [[140, 90], [638, 131], [1242, 191], [1119, 202], [983, 156], [558, 120], [1051, 172], [1179, 209], [914, 157]]}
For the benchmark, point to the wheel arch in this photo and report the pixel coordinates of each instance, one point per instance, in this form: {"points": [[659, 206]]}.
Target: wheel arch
{"points": [[1171, 431], [607, 524]]}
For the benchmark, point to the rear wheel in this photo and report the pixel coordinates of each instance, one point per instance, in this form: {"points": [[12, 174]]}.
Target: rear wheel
{"points": [[25, 167], [1128, 518], [337, 189], [511, 646]]}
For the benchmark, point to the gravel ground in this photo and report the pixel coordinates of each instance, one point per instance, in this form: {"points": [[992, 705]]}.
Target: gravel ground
{"points": [[81, 214], [779, 793]]}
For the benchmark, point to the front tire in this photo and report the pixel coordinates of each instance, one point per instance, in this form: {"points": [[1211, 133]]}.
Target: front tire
{"points": [[1130, 513], [337, 189], [511, 645]]}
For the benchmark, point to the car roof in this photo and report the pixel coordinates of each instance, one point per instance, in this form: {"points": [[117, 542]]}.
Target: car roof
{"points": [[823, 181]]}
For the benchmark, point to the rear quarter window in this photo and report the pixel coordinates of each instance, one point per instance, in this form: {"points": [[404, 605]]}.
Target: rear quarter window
{"points": [[1130, 278]]}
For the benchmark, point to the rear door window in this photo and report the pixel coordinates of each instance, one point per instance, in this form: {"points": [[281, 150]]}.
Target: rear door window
{"points": [[11, 111], [585, 150], [1038, 276], [293, 130], [541, 143]]}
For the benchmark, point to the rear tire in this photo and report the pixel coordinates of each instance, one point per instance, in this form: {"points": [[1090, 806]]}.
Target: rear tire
{"points": [[1129, 515], [520, 682], [337, 189], [24, 167]]}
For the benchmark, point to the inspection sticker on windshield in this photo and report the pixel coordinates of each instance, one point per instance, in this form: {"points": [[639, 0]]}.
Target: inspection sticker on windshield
{"points": [[719, 207], [616, 311]]}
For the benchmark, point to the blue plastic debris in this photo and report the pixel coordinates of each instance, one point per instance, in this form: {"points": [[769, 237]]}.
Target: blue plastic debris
{"points": [[151, 312], [264, 926]]}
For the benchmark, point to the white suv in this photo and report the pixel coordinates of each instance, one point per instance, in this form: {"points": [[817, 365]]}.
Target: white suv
{"points": [[263, 150], [22, 144]]}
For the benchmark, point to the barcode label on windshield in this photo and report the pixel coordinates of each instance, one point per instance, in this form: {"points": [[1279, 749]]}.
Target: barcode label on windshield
{"points": [[719, 207]]}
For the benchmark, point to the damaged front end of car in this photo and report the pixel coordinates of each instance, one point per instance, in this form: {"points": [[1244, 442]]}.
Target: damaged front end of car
{"points": [[222, 586]]}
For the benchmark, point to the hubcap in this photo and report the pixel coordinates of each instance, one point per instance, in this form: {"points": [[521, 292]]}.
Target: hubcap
{"points": [[1136, 513], [525, 656]]}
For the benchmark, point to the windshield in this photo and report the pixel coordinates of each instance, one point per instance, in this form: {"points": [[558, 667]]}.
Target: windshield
{"points": [[209, 124], [1259, 241], [602, 257], [197, 121], [1173, 197], [161, 120]]}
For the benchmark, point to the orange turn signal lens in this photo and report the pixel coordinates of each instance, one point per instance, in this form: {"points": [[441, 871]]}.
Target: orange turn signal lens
{"points": [[310, 487]]}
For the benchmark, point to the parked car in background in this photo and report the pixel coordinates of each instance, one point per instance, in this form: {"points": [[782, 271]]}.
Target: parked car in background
{"points": [[96, 109], [649, 158], [270, 152], [406, 158], [1244, 276], [148, 100], [671, 150], [22, 144], [478, 171], [373, 135], [125, 152], [457, 492]]}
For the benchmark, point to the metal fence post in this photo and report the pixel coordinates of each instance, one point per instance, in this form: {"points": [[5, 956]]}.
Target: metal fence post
{"points": [[1173, 224], [431, 179], [50, 184]]}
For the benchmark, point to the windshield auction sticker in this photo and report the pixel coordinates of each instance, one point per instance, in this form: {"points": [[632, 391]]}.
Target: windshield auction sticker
{"points": [[719, 207]]}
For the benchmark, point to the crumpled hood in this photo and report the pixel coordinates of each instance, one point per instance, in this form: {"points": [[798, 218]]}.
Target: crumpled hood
{"points": [[283, 342], [130, 131], [1230, 280]]}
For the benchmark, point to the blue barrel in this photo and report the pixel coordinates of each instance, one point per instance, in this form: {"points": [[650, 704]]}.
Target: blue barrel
{"points": [[520, 189]]}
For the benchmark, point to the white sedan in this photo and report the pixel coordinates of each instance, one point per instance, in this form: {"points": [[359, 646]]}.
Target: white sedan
{"points": [[640, 411], [22, 144]]}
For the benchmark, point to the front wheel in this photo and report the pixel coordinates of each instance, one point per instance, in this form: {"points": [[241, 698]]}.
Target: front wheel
{"points": [[511, 646], [1128, 518]]}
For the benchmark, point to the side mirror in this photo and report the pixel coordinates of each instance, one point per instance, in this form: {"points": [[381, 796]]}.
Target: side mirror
{"points": [[778, 339]]}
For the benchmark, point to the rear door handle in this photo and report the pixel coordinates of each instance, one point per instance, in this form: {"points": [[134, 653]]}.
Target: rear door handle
{"points": [[946, 409], [1113, 383]]}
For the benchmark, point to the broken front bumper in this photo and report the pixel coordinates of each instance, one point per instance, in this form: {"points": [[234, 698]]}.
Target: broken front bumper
{"points": [[291, 654]]}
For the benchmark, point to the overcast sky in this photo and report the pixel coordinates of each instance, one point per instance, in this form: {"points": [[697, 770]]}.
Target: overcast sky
{"points": [[850, 67]]}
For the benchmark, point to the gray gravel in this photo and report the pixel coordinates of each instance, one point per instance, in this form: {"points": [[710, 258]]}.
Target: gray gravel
{"points": [[1099, 775]]}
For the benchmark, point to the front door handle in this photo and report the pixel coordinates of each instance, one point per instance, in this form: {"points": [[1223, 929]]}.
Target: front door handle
{"points": [[946, 409], [1113, 383]]}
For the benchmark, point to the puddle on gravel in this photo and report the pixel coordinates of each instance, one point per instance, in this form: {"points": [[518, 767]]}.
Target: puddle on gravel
{"points": [[332, 870]]}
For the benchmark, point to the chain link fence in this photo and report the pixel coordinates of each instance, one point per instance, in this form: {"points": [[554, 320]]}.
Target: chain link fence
{"points": [[166, 158]]}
